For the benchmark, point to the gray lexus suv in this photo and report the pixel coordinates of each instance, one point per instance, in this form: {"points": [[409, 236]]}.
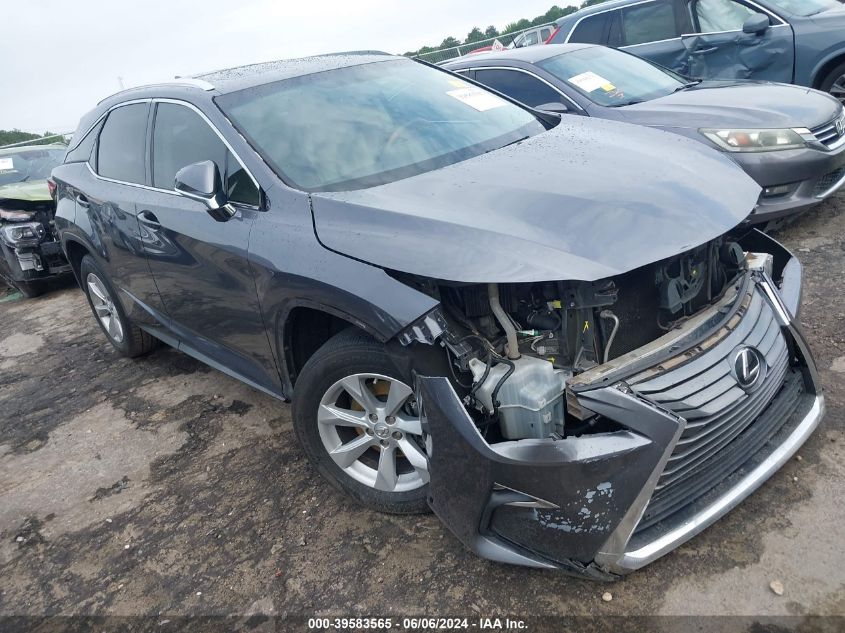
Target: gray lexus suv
{"points": [[560, 335]]}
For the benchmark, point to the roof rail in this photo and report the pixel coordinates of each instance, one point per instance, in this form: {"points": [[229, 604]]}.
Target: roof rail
{"points": [[191, 82]]}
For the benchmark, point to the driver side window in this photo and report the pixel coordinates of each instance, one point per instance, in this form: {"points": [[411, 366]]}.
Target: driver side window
{"points": [[715, 16], [181, 138]]}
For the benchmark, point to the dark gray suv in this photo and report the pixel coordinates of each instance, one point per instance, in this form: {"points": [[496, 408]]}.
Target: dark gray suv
{"points": [[559, 335]]}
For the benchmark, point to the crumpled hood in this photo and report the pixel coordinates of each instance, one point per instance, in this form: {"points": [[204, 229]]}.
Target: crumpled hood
{"points": [[35, 191], [586, 200], [737, 104]]}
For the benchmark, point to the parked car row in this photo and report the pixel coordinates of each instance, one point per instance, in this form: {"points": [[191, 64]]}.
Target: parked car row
{"points": [[560, 333], [791, 140]]}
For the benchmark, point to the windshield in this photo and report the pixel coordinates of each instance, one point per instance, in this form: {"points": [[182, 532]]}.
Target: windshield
{"points": [[28, 164], [611, 78], [806, 7], [367, 125]]}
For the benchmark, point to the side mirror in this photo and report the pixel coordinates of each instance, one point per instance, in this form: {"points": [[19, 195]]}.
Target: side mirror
{"points": [[201, 182], [757, 24], [554, 106]]}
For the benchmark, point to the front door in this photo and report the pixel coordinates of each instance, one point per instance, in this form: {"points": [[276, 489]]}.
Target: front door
{"points": [[200, 265], [652, 30], [719, 49]]}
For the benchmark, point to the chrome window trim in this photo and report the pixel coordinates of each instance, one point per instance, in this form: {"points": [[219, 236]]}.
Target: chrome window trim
{"points": [[190, 106], [671, 39], [530, 74]]}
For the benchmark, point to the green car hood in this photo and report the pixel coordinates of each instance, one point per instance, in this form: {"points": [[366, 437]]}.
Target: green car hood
{"points": [[35, 191]]}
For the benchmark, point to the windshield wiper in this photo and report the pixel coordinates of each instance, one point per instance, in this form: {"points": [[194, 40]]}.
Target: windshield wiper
{"points": [[519, 140], [687, 86]]}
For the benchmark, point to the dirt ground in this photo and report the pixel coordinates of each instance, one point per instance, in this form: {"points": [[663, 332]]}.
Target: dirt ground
{"points": [[160, 486]]}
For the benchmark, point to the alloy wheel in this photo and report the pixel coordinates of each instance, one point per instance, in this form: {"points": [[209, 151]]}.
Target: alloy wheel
{"points": [[104, 307], [370, 427], [838, 89]]}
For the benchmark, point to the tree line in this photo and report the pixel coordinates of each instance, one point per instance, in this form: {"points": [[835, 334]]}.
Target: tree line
{"points": [[477, 35], [7, 137]]}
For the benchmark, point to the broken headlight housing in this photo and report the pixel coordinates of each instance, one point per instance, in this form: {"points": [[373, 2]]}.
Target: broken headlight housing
{"points": [[759, 140], [22, 235]]}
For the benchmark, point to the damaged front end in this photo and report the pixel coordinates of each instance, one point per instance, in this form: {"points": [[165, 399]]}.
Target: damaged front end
{"points": [[29, 250], [594, 426]]}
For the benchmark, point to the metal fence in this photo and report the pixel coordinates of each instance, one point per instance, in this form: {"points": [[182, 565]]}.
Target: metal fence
{"points": [[64, 139], [445, 54]]}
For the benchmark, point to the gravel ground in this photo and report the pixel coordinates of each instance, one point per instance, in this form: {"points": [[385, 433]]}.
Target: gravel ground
{"points": [[160, 486]]}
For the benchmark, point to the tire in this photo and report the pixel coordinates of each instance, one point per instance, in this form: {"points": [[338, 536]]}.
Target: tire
{"points": [[127, 338], [354, 358], [29, 289], [834, 83]]}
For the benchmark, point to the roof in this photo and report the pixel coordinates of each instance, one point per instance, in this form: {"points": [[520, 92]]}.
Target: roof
{"points": [[233, 79], [24, 148], [596, 8], [529, 54]]}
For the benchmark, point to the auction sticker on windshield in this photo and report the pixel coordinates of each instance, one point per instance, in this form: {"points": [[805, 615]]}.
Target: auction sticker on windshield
{"points": [[477, 98], [591, 82], [6, 164]]}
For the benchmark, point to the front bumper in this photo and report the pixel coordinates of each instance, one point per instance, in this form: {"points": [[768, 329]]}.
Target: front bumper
{"points": [[605, 504], [811, 176], [33, 263]]}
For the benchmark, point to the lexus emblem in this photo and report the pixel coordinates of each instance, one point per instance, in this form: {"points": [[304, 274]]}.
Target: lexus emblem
{"points": [[748, 367], [840, 127]]}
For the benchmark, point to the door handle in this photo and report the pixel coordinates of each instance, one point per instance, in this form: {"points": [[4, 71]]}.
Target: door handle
{"points": [[81, 200], [149, 219], [704, 51]]}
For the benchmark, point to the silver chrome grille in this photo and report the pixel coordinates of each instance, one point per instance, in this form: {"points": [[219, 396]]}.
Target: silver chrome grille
{"points": [[831, 133], [706, 393]]}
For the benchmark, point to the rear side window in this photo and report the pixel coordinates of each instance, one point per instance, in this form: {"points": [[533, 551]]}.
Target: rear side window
{"points": [[590, 30], [121, 148], [180, 138], [545, 34], [652, 22], [518, 85], [82, 152]]}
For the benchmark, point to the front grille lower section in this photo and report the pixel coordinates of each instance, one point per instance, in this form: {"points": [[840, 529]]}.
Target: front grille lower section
{"points": [[725, 423], [828, 181], [828, 134]]}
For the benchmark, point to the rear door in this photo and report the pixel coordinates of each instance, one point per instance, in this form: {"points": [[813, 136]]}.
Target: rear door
{"points": [[718, 48], [105, 194], [200, 265]]}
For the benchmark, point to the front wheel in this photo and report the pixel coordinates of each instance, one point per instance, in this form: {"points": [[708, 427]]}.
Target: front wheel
{"points": [[357, 420], [834, 83]]}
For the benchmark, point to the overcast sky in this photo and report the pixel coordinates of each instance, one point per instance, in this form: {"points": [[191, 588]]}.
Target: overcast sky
{"points": [[59, 57]]}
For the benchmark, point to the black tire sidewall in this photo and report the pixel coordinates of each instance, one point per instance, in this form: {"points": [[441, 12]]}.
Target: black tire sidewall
{"points": [[342, 356], [835, 74], [89, 265]]}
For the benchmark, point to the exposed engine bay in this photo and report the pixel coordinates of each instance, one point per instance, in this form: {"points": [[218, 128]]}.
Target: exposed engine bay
{"points": [[512, 347]]}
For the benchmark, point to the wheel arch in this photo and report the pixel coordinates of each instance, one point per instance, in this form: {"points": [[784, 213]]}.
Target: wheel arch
{"points": [[75, 250], [304, 328], [826, 67]]}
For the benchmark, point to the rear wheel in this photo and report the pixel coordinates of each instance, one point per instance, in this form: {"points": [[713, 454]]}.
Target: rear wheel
{"points": [[127, 338], [834, 83], [357, 420]]}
